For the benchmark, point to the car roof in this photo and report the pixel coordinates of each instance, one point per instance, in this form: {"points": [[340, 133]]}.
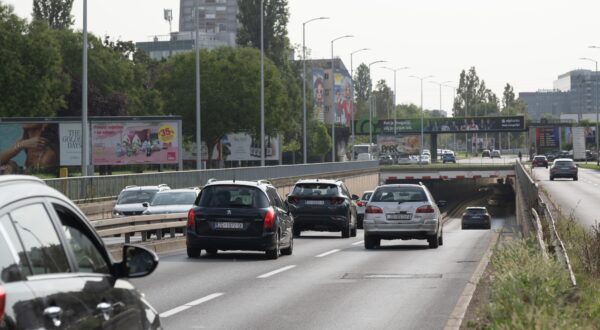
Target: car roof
{"points": [[328, 181], [476, 208], [563, 160], [157, 187], [171, 191], [401, 185], [261, 184], [23, 187]]}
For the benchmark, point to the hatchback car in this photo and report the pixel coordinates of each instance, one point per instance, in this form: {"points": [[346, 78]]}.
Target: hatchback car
{"points": [[172, 201], [448, 157], [239, 215], [55, 271], [539, 161], [131, 199], [402, 211], [476, 217], [563, 168], [495, 154], [323, 205], [361, 204]]}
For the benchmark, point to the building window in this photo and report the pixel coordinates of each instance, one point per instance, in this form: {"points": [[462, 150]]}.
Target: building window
{"points": [[326, 76]]}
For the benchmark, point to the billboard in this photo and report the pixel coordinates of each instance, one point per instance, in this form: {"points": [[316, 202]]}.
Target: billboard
{"points": [[343, 100], [242, 146], [443, 125], [30, 147], [70, 144], [547, 137], [578, 143], [125, 143], [319, 94], [394, 145]]}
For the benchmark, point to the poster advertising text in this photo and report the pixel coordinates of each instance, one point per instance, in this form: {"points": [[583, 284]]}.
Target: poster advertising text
{"points": [[241, 146], [70, 144], [115, 143]]}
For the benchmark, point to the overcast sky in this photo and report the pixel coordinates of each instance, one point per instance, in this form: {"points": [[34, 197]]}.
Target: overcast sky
{"points": [[526, 43]]}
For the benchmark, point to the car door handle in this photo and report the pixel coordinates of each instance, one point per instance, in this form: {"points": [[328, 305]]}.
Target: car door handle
{"points": [[54, 313]]}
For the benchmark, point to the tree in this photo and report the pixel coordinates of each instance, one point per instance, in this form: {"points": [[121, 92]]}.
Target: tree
{"points": [[319, 141], [31, 76], [384, 96], [473, 98], [230, 90], [57, 13], [362, 83], [276, 17], [508, 97]]}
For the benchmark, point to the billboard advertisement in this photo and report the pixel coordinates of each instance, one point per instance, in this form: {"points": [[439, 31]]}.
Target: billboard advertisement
{"points": [[70, 144], [30, 147], [590, 134], [579, 143], [319, 94], [547, 137], [125, 143], [241, 146], [394, 145], [343, 100], [444, 125]]}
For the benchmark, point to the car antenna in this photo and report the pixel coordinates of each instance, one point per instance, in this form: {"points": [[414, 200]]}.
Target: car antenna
{"points": [[234, 176]]}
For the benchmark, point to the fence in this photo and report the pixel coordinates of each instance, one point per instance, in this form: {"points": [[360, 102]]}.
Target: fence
{"points": [[97, 187]]}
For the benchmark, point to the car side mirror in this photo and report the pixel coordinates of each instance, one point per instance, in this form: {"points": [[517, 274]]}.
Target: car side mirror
{"points": [[137, 262], [355, 197], [145, 204], [442, 203]]}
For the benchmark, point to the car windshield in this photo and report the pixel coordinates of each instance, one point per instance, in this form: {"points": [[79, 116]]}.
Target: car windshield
{"points": [[136, 196], [315, 189], [366, 196], [232, 196], [476, 211], [539, 158], [174, 198], [399, 194]]}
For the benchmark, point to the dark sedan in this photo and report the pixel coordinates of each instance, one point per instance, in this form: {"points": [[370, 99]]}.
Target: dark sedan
{"points": [[476, 217], [323, 205], [563, 168], [539, 161]]}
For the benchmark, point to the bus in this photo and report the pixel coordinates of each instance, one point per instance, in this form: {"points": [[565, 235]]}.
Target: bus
{"points": [[364, 151]]}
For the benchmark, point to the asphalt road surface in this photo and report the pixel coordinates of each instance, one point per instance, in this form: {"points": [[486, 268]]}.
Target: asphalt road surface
{"points": [[579, 199], [328, 283]]}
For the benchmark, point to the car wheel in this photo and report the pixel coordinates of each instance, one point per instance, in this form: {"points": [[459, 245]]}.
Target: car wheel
{"points": [[441, 239], [359, 223], [433, 241], [211, 251], [353, 232], [297, 232], [346, 231], [273, 254], [290, 249], [575, 178], [551, 178], [371, 242], [193, 253]]}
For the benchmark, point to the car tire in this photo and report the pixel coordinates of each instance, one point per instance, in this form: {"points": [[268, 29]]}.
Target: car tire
{"points": [[441, 239], [346, 231], [551, 178], [433, 241], [359, 223], [353, 232], [193, 253], [575, 178], [297, 232], [371, 242], [273, 254], [290, 249]]}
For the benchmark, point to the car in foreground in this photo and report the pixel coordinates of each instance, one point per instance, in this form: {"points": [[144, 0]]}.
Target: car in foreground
{"points": [[361, 204], [563, 168], [56, 273], [132, 198], [402, 211], [323, 205], [448, 157], [239, 215], [495, 154], [539, 161], [172, 201], [476, 217]]}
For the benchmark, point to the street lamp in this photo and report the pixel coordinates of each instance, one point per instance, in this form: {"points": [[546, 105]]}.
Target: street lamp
{"points": [[262, 84], [596, 104], [422, 112], [371, 103], [440, 84], [453, 99], [352, 77], [395, 95], [304, 81], [332, 92], [84, 100], [198, 109]]}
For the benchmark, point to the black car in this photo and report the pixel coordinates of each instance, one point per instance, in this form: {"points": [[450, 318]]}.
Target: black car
{"points": [[539, 161], [476, 217], [239, 215], [323, 205], [55, 271]]}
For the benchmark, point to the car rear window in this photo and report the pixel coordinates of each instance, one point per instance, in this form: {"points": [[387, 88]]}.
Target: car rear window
{"points": [[540, 157], [399, 194], [564, 163], [366, 196], [174, 198], [232, 196], [476, 211], [315, 189], [136, 196]]}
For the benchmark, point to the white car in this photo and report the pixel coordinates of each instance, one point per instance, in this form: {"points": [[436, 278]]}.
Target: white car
{"points": [[131, 199], [172, 201], [402, 211], [361, 204], [425, 160]]}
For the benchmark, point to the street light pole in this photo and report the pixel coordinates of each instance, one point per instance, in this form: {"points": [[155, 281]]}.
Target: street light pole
{"points": [[332, 92], [371, 103], [422, 113], [304, 143], [262, 85], [395, 95], [596, 104], [84, 99], [453, 99], [352, 78], [198, 108]]}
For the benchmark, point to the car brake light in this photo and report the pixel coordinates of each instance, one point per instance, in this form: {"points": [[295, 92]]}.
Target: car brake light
{"points": [[337, 200], [373, 209], [294, 200], [361, 203], [191, 218], [269, 219], [2, 302], [425, 209]]}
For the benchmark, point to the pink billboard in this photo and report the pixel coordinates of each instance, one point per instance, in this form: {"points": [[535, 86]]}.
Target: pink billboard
{"points": [[117, 143]]}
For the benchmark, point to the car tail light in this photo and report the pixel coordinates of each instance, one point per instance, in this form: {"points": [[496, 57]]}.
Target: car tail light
{"points": [[337, 200], [294, 200], [425, 209], [361, 203], [269, 219], [191, 219], [2, 302], [373, 209]]}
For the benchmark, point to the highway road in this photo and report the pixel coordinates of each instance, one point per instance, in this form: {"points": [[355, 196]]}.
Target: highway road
{"points": [[576, 198], [328, 283]]}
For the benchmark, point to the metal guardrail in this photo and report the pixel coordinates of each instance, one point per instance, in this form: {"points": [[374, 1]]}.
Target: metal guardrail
{"points": [[143, 224], [95, 187]]}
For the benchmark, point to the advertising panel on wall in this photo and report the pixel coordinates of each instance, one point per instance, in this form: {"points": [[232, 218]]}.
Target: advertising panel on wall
{"points": [[29, 147], [343, 100], [579, 143], [319, 94], [70, 144], [547, 137], [444, 125], [125, 143], [242, 147], [394, 145]]}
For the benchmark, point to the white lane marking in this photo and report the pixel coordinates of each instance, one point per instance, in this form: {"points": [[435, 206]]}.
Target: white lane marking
{"points": [[358, 243], [277, 271], [191, 304], [327, 253]]}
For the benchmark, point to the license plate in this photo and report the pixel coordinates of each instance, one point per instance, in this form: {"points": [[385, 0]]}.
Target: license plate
{"points": [[309, 202], [229, 225], [399, 216]]}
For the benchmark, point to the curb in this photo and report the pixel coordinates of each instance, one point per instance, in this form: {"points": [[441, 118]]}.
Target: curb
{"points": [[458, 314]]}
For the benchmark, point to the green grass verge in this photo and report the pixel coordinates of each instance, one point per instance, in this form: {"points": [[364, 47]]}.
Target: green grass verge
{"points": [[589, 165]]}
